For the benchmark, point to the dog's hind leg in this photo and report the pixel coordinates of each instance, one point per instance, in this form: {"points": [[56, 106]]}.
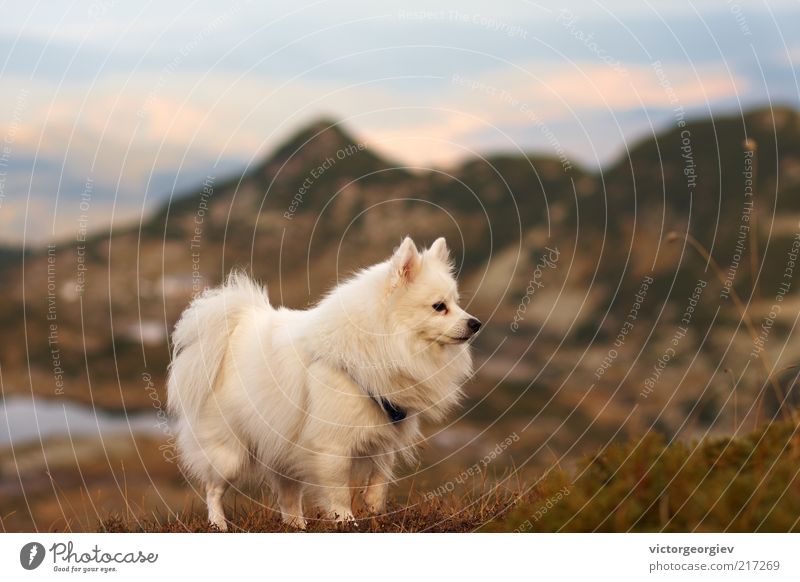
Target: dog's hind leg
{"points": [[290, 500], [225, 460]]}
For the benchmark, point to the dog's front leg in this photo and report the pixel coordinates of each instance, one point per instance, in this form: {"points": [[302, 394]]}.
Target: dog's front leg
{"points": [[377, 489], [375, 496], [333, 485]]}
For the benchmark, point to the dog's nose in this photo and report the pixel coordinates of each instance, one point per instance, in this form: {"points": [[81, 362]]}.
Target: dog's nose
{"points": [[473, 324]]}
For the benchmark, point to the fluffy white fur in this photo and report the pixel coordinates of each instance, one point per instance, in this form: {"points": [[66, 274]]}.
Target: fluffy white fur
{"points": [[281, 394]]}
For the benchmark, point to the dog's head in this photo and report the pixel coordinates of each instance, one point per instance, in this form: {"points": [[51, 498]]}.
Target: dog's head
{"points": [[424, 295]]}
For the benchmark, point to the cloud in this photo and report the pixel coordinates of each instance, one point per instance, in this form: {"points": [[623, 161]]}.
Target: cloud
{"points": [[127, 134], [564, 90], [125, 130], [139, 97], [546, 97], [793, 56]]}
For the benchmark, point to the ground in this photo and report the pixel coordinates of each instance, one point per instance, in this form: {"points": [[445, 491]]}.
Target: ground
{"points": [[747, 484]]}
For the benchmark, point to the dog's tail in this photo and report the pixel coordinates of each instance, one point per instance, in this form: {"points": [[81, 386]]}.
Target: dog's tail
{"points": [[200, 340]]}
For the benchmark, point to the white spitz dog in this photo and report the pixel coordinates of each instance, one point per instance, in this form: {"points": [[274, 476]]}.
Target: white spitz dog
{"points": [[319, 403]]}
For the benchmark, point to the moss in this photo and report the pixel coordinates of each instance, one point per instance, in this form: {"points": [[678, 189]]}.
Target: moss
{"points": [[746, 484]]}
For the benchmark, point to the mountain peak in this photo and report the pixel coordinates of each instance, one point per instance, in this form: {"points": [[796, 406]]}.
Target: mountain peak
{"points": [[327, 152], [323, 134]]}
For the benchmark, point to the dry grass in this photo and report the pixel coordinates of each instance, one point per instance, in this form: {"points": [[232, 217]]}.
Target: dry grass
{"points": [[750, 483], [745, 484], [453, 513]]}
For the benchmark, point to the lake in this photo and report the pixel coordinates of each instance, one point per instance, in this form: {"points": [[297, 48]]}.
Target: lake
{"points": [[24, 419]]}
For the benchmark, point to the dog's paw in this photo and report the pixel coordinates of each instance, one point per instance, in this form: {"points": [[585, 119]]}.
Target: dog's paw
{"points": [[350, 524], [345, 520], [296, 522]]}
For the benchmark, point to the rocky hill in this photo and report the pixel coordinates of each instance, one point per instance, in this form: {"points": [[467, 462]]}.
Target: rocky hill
{"points": [[88, 318]]}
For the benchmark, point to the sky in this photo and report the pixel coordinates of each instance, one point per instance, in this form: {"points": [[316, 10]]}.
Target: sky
{"points": [[108, 108]]}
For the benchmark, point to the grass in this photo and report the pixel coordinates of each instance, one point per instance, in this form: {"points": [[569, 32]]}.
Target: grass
{"points": [[464, 513], [744, 484]]}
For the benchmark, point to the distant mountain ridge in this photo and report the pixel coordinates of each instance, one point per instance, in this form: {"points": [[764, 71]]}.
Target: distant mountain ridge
{"points": [[324, 204]]}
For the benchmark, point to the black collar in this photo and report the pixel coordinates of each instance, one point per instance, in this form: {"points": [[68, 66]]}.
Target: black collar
{"points": [[394, 412]]}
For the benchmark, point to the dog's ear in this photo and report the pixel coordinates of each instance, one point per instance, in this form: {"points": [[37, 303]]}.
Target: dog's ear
{"points": [[439, 250], [405, 263]]}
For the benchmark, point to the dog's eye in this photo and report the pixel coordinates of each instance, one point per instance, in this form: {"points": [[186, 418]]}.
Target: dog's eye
{"points": [[439, 306]]}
